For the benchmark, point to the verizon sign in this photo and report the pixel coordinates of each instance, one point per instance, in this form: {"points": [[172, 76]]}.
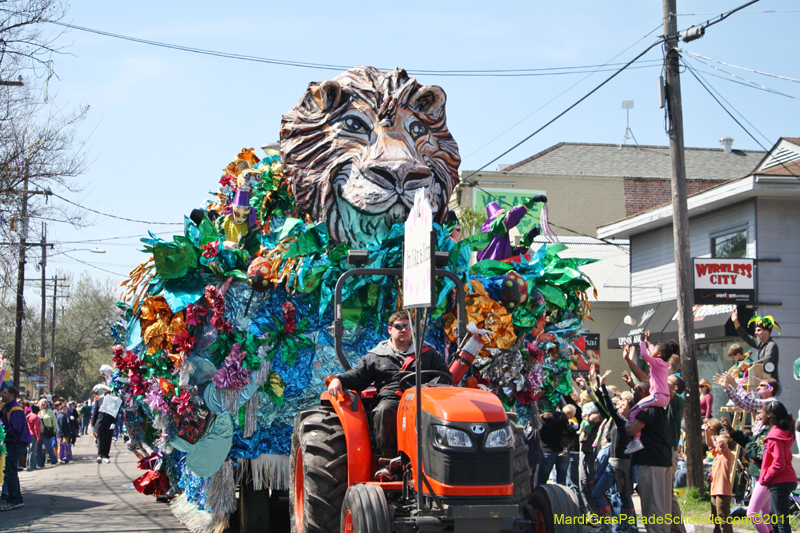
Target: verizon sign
{"points": [[723, 281]]}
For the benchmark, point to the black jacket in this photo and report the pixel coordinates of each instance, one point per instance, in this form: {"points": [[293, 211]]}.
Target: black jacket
{"points": [[381, 366], [767, 352], [754, 448], [63, 430], [619, 436]]}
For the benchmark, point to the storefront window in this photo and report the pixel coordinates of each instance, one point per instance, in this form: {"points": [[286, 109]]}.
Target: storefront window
{"points": [[730, 246], [712, 359]]}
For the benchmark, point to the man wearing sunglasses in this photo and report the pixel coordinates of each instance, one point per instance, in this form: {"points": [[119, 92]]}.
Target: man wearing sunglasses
{"points": [[383, 366]]}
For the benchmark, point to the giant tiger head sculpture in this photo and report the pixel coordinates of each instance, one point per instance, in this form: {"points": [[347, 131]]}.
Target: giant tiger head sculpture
{"points": [[358, 147]]}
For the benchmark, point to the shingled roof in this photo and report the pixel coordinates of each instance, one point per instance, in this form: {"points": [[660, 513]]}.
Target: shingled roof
{"points": [[575, 159]]}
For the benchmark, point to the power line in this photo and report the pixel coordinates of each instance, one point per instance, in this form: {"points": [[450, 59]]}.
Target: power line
{"points": [[745, 82], [531, 72], [567, 110], [742, 68], [115, 216], [737, 111], [698, 78], [100, 240], [608, 63], [97, 267]]}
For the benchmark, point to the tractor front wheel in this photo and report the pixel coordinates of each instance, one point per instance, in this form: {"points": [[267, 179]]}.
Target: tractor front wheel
{"points": [[318, 477], [365, 510], [551, 501]]}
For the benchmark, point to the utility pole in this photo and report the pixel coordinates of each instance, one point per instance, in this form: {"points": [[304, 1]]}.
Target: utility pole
{"points": [[51, 380], [680, 232], [23, 235], [53, 336], [43, 342]]}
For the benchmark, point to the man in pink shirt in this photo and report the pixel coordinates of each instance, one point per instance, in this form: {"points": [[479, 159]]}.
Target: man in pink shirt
{"points": [[35, 427]]}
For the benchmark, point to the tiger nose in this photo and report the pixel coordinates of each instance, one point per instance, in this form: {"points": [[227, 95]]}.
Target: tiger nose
{"points": [[403, 174]]}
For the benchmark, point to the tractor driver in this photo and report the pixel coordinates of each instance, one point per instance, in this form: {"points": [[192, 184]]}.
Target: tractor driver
{"points": [[383, 366]]}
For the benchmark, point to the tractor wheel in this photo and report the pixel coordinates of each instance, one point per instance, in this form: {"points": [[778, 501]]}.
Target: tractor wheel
{"points": [[365, 510], [551, 501], [521, 469], [318, 477]]}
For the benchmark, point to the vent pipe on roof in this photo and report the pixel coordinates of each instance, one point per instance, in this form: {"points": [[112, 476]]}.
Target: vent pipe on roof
{"points": [[727, 144]]}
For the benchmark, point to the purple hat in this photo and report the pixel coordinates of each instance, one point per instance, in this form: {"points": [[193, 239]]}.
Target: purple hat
{"points": [[492, 209], [241, 198], [491, 212]]}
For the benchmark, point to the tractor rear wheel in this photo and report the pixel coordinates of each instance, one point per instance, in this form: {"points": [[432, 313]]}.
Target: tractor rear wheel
{"points": [[551, 501], [318, 477], [521, 469], [365, 510]]}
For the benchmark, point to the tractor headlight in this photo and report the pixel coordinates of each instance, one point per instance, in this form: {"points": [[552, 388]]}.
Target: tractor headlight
{"points": [[448, 437], [500, 438]]}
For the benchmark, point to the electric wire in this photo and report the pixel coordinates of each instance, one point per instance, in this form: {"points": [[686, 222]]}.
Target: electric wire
{"points": [[742, 68], [96, 267], [744, 81], [737, 112], [702, 84], [553, 71], [608, 63], [117, 217], [567, 110]]}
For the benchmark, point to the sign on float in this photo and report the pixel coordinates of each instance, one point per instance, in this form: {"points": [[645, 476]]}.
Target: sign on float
{"points": [[724, 281], [417, 260]]}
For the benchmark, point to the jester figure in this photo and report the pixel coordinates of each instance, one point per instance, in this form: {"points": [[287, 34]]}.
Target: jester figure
{"points": [[499, 222], [762, 341]]}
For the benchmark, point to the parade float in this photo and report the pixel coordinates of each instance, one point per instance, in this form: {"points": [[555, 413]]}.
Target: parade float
{"points": [[227, 329]]}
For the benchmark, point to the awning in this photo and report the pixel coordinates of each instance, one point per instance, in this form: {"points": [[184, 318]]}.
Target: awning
{"points": [[653, 317], [711, 322]]}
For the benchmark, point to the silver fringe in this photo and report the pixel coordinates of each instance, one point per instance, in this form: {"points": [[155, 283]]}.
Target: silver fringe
{"points": [[230, 399], [270, 471], [195, 519], [250, 416], [220, 492]]}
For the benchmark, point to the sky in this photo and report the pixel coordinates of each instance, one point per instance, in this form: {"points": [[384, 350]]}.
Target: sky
{"points": [[163, 123]]}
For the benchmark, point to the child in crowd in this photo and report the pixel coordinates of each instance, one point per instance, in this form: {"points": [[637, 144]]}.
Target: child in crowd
{"points": [[777, 472], [706, 399], [721, 489], [657, 356], [741, 361]]}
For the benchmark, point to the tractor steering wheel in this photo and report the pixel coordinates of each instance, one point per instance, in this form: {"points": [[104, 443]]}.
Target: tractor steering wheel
{"points": [[410, 379]]}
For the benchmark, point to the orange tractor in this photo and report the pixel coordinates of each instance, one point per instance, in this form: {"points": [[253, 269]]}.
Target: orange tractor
{"points": [[463, 461]]}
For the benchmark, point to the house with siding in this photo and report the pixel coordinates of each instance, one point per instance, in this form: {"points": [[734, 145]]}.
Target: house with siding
{"points": [[757, 217]]}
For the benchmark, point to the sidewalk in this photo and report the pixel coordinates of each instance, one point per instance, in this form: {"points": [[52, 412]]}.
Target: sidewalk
{"points": [[86, 497]]}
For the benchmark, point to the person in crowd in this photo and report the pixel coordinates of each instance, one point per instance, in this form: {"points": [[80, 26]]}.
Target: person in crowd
{"points": [[17, 440], [48, 418], [741, 361], [86, 416], [586, 437], [767, 349], [554, 435], [706, 400], [721, 489], [675, 365], [63, 431], [104, 418], [530, 434], [74, 417], [753, 445], [619, 464], [654, 461], [777, 472], [657, 356], [35, 429], [383, 366]]}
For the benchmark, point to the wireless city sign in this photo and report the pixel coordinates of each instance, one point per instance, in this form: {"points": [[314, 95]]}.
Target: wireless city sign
{"points": [[724, 281]]}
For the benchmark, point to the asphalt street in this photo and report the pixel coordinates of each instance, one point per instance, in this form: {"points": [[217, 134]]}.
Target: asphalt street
{"points": [[85, 497]]}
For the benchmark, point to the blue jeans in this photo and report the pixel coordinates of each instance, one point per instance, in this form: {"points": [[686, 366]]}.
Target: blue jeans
{"points": [[606, 481], [48, 444], [601, 462], [546, 463], [11, 489]]}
